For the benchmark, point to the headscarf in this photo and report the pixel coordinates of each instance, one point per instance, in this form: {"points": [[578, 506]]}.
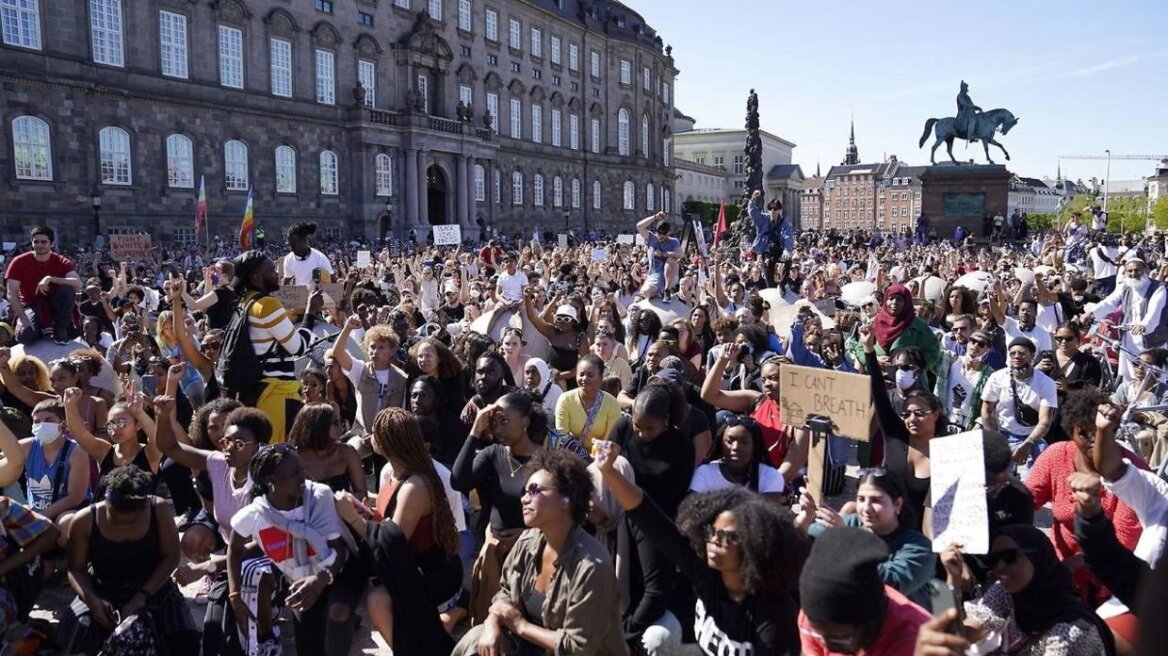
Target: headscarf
{"points": [[545, 377], [1050, 598], [889, 327]]}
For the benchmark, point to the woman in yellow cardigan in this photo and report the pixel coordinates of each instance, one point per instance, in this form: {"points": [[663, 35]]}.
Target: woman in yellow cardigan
{"points": [[587, 413]]}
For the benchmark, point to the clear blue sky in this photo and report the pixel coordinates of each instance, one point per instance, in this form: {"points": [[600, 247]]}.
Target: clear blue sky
{"points": [[1081, 76]]}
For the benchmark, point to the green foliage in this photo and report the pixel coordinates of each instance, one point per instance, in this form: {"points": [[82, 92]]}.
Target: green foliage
{"points": [[709, 212], [1160, 213], [1125, 213]]}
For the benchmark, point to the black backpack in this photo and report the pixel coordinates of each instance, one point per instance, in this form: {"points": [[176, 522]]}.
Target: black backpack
{"points": [[239, 369]]}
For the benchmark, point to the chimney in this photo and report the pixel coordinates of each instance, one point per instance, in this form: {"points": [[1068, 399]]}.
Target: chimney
{"points": [[892, 159]]}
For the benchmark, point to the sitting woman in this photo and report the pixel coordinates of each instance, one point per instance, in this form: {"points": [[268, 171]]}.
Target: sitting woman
{"points": [[741, 554], [587, 413], [32, 374], [559, 591], [538, 380], [89, 365], [739, 460], [62, 376], [295, 524], [881, 509], [316, 436], [126, 421], [414, 548], [1033, 608], [122, 551]]}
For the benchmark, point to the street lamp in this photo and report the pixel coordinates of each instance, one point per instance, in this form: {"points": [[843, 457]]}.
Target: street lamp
{"points": [[95, 201], [1107, 180]]}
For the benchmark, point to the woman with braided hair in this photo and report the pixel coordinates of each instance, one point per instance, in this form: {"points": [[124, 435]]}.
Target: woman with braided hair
{"points": [[412, 540]]}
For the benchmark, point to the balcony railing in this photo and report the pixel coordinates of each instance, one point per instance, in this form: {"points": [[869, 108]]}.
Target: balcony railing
{"points": [[435, 123]]}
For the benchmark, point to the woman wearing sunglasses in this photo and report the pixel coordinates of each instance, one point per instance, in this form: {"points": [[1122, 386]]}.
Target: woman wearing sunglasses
{"points": [[126, 420], [741, 554], [966, 379], [740, 460], [1069, 367], [559, 591], [880, 508], [1032, 609]]}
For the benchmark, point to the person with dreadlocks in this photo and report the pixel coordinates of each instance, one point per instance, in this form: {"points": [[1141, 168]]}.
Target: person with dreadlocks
{"points": [[277, 342], [295, 524], [414, 546], [301, 265]]}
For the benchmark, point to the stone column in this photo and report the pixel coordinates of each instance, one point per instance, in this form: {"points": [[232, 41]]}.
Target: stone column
{"points": [[422, 189], [470, 191], [411, 190], [460, 191]]}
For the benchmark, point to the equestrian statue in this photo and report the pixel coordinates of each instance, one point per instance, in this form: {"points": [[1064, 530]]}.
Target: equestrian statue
{"points": [[971, 124]]}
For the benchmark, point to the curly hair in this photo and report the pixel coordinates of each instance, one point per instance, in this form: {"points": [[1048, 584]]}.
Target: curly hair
{"points": [[254, 421], [448, 365], [380, 333], [756, 336], [470, 345], [127, 488], [773, 550], [302, 229], [92, 357], [200, 423], [1079, 409], [312, 428], [399, 438], [42, 372], [570, 474]]}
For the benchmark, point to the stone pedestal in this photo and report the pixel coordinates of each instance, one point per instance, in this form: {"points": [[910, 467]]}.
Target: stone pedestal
{"points": [[953, 195]]}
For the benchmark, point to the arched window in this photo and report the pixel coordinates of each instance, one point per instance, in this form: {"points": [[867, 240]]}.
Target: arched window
{"points": [[32, 146], [650, 202], [537, 190], [328, 173], [630, 195], [622, 134], [480, 183], [557, 191], [235, 176], [115, 156], [180, 162], [596, 194], [383, 167], [644, 135], [285, 170], [516, 188], [576, 193]]}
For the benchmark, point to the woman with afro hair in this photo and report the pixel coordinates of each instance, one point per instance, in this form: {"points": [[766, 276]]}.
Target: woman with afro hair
{"points": [[740, 552]]}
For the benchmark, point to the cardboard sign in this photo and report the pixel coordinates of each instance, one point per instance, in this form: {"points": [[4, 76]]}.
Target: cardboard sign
{"points": [[364, 259], [447, 235], [843, 398], [562, 241], [599, 254], [957, 484], [295, 297], [130, 247], [626, 239]]}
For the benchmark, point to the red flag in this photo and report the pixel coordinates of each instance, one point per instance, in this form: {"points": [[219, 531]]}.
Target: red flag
{"points": [[721, 227]]}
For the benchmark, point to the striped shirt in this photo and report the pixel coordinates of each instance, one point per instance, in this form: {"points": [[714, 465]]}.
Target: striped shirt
{"points": [[275, 338]]}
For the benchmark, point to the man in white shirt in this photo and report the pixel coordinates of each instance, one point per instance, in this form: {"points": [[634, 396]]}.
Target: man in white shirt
{"points": [[1020, 402], [1104, 258], [1025, 326], [300, 265]]}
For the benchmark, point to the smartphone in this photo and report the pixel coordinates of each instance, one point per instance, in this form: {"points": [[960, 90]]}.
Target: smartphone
{"points": [[150, 385], [944, 597]]}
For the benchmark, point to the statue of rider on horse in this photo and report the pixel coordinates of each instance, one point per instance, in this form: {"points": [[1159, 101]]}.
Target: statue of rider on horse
{"points": [[970, 124]]}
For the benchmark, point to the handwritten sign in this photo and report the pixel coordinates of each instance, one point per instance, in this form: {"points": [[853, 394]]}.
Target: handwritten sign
{"points": [[295, 297], [599, 254], [447, 235], [626, 239], [843, 398], [562, 241], [130, 247], [364, 259], [957, 484]]}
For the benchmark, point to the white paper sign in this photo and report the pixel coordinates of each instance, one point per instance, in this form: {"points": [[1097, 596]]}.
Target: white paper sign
{"points": [[364, 258], [562, 241], [599, 254], [447, 235], [700, 235], [626, 239], [957, 485]]}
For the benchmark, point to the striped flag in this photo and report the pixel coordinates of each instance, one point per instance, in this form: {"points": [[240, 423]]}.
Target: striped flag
{"points": [[201, 208], [247, 228]]}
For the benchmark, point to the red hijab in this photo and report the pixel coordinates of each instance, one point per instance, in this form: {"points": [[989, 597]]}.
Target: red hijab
{"points": [[889, 327]]}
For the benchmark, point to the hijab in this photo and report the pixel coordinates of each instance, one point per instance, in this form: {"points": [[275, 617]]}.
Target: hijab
{"points": [[545, 377], [1050, 598], [889, 327]]}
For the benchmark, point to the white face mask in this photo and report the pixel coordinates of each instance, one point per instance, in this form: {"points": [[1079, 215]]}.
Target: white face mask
{"points": [[905, 379], [46, 432]]}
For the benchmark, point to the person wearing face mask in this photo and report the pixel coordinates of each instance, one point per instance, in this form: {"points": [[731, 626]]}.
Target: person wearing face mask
{"points": [[56, 470], [1020, 402], [962, 389], [1142, 302]]}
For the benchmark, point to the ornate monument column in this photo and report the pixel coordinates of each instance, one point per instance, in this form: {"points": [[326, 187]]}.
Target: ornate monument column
{"points": [[460, 190]]}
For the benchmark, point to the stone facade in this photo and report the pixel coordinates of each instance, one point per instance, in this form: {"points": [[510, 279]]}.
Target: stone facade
{"points": [[885, 195], [421, 69]]}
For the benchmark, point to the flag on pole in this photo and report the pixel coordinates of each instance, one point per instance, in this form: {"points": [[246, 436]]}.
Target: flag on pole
{"points": [[721, 227], [201, 208], [248, 227]]}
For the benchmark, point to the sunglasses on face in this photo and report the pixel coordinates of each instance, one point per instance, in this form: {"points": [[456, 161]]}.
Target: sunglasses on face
{"points": [[1063, 338], [238, 445], [1005, 556], [919, 414], [116, 424], [212, 346], [978, 342], [740, 420], [721, 537], [535, 489]]}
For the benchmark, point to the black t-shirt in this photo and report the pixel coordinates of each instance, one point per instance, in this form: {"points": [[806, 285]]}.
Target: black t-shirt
{"points": [[219, 314], [454, 312], [663, 466], [94, 309]]}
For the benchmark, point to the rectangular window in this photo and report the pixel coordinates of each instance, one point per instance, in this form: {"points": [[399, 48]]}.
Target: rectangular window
{"points": [[514, 34], [404, 4], [575, 194], [466, 95], [555, 50], [105, 20], [464, 20], [646, 78], [739, 164], [492, 60], [365, 18], [434, 8], [180, 165], [497, 186], [595, 63], [464, 51], [516, 118], [230, 57], [596, 135], [536, 43], [515, 67], [556, 119], [367, 76], [285, 170], [626, 72], [20, 23], [492, 25], [665, 92], [573, 57], [172, 43], [556, 80], [537, 74], [480, 184], [596, 195], [574, 132], [493, 109], [326, 73], [324, 6], [537, 123], [281, 68], [424, 92], [720, 161], [574, 86]]}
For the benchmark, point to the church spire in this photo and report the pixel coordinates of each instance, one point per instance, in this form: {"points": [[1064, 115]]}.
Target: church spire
{"points": [[817, 173], [1059, 176], [852, 156]]}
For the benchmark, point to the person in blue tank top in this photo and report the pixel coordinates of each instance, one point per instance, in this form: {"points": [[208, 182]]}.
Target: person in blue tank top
{"points": [[56, 471]]}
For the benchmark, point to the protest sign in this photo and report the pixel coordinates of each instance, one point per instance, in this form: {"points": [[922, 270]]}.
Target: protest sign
{"points": [[701, 238], [826, 306], [295, 297], [364, 259], [447, 235], [844, 398], [599, 254], [626, 239], [562, 241], [130, 247], [957, 486]]}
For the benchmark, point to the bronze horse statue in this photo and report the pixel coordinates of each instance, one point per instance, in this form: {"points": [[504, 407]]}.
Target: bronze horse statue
{"points": [[985, 124]]}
